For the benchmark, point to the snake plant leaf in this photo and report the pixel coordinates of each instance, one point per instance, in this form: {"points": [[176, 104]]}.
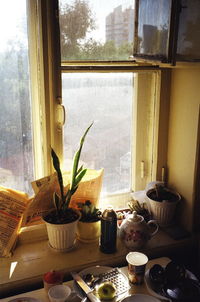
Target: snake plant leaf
{"points": [[74, 169], [77, 174], [79, 177], [56, 164], [67, 194], [79, 170], [56, 201], [73, 190], [84, 135], [77, 157]]}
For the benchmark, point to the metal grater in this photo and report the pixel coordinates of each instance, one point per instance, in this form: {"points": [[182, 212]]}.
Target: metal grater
{"points": [[118, 279]]}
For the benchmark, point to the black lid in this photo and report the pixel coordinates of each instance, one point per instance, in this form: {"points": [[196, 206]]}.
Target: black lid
{"points": [[109, 213]]}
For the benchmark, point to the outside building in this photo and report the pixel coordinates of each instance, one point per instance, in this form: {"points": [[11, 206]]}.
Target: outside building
{"points": [[120, 26]]}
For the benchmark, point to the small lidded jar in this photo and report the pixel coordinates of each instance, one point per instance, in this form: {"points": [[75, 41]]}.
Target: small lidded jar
{"points": [[52, 278]]}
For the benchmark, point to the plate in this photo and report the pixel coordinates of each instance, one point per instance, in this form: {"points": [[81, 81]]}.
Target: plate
{"points": [[187, 290], [122, 280], [157, 290], [140, 298], [24, 299]]}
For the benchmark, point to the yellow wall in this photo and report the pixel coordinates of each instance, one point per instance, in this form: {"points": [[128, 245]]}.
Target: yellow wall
{"points": [[183, 126]]}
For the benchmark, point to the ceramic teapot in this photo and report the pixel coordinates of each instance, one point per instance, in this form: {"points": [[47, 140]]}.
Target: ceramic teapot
{"points": [[135, 232]]}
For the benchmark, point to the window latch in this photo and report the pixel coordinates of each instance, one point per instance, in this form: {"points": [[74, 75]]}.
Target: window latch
{"points": [[60, 116]]}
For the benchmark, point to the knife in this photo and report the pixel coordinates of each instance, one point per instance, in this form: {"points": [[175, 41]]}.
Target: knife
{"points": [[88, 291]]}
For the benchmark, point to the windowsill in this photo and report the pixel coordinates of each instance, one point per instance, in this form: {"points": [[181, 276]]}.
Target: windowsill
{"points": [[32, 260]]}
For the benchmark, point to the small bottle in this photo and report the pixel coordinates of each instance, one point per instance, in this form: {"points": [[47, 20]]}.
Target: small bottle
{"points": [[108, 237]]}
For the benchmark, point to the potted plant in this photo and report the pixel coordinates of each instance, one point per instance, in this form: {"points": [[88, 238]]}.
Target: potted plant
{"points": [[163, 203], [88, 228], [62, 221]]}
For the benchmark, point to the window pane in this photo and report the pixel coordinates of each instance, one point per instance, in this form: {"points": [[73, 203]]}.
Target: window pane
{"points": [[96, 29], [107, 100], [16, 156], [153, 28]]}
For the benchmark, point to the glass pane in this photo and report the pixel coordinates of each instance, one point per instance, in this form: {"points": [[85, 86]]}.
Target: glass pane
{"points": [[188, 47], [16, 156], [107, 100], [153, 28], [96, 29]]}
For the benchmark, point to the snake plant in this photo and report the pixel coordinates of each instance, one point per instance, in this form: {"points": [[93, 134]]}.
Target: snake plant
{"points": [[62, 202]]}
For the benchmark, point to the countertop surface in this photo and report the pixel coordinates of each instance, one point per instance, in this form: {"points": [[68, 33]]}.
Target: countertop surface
{"points": [[135, 289], [30, 261]]}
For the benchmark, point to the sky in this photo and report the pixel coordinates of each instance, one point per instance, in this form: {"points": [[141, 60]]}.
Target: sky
{"points": [[102, 8], [10, 19], [11, 13]]}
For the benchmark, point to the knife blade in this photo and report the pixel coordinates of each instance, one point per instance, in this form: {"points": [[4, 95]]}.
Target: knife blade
{"points": [[88, 291]]}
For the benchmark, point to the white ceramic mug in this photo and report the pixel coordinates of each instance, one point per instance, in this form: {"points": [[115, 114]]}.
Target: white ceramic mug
{"points": [[59, 293]]}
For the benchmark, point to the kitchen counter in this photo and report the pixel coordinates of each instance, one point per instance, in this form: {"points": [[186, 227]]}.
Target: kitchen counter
{"points": [[25, 269], [141, 289]]}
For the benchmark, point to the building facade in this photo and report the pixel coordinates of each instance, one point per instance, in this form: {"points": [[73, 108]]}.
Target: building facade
{"points": [[120, 26]]}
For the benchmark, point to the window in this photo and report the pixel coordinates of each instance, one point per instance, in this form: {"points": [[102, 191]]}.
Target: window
{"points": [[101, 83], [98, 97], [16, 145]]}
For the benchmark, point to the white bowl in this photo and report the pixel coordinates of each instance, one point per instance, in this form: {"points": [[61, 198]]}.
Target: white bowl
{"points": [[59, 293]]}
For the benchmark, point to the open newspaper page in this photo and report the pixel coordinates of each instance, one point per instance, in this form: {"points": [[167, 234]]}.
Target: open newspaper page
{"points": [[12, 207], [17, 209], [88, 189], [42, 202]]}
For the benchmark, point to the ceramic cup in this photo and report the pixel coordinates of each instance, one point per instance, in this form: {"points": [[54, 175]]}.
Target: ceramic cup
{"points": [[59, 293], [136, 267]]}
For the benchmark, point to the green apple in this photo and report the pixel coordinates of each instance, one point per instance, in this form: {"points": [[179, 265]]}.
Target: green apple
{"points": [[106, 290]]}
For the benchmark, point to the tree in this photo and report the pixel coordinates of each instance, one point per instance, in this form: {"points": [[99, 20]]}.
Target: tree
{"points": [[75, 21]]}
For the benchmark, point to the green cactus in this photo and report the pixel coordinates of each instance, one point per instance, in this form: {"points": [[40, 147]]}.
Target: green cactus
{"points": [[89, 213]]}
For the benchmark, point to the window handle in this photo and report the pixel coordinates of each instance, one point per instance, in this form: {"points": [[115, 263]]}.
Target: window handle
{"points": [[60, 116]]}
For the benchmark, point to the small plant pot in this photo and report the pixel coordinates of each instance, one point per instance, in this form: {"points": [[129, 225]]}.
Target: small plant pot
{"points": [[163, 211], [62, 237], [88, 232]]}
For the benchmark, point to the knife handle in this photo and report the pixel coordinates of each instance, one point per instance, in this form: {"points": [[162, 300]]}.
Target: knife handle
{"points": [[92, 297]]}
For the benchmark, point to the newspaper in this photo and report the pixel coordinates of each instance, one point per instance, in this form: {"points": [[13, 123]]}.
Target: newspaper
{"points": [[17, 209], [89, 189], [12, 207]]}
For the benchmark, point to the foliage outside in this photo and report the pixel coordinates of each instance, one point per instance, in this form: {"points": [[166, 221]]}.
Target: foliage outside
{"points": [[76, 21]]}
